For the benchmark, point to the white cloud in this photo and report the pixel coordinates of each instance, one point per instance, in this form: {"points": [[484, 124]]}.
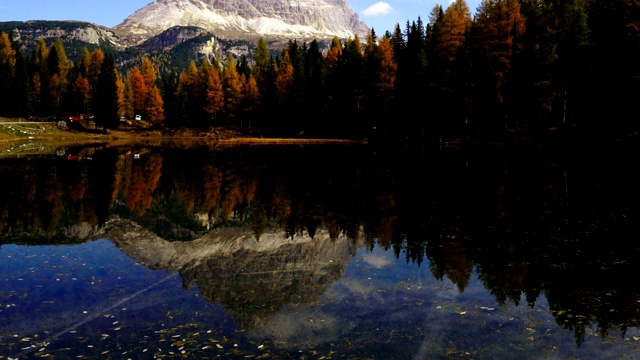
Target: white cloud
{"points": [[379, 8]]}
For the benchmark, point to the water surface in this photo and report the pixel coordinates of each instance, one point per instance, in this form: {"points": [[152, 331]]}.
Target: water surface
{"points": [[319, 251]]}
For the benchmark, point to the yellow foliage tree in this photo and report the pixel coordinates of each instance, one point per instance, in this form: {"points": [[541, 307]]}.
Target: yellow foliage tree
{"points": [[284, 78], [232, 85], [215, 95], [155, 106], [140, 90]]}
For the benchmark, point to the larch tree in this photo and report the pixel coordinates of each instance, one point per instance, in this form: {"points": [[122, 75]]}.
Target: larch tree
{"points": [[58, 69], [126, 102], [148, 73], [140, 91], [284, 79], [447, 63], [97, 56], [214, 99], [455, 23], [82, 65], [81, 94], [386, 69], [261, 62], [155, 107], [331, 58], [40, 77], [232, 86], [252, 98]]}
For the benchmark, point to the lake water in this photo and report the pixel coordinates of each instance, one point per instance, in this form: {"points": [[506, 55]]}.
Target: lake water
{"points": [[319, 252]]}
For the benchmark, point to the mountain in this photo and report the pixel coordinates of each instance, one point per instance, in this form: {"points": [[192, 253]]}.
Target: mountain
{"points": [[87, 34], [246, 19], [174, 32]]}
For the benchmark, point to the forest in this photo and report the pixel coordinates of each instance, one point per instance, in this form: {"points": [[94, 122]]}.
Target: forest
{"points": [[514, 65]]}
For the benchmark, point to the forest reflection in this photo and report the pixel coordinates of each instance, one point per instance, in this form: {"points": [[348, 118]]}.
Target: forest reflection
{"points": [[562, 226]]}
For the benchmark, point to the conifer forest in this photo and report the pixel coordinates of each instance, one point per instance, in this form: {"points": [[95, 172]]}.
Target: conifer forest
{"points": [[513, 65]]}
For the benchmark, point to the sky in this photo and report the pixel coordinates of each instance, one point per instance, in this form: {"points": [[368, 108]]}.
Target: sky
{"points": [[381, 15]]}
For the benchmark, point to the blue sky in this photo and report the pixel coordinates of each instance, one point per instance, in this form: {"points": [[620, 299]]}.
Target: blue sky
{"points": [[379, 14]]}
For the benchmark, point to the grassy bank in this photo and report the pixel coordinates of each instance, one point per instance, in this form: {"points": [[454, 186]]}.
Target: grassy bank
{"points": [[23, 136]]}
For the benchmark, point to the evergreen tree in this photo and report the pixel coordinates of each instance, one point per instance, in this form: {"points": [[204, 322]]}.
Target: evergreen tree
{"points": [[19, 97], [106, 99], [496, 32], [7, 72]]}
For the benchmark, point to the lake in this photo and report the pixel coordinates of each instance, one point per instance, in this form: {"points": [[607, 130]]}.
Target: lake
{"points": [[320, 252]]}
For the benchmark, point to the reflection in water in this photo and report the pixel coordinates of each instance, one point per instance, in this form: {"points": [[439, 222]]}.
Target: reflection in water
{"points": [[247, 277], [531, 225]]}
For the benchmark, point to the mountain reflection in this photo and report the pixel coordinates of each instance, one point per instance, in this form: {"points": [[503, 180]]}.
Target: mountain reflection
{"points": [[248, 278], [531, 225]]}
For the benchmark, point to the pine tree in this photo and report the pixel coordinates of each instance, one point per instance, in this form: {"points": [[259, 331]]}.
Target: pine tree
{"points": [[19, 97], [106, 100], [7, 72], [495, 31]]}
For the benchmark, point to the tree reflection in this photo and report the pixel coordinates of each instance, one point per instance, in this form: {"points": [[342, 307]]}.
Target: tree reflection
{"points": [[529, 225]]}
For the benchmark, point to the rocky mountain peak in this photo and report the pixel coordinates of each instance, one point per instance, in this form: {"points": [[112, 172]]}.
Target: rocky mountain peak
{"points": [[246, 19]]}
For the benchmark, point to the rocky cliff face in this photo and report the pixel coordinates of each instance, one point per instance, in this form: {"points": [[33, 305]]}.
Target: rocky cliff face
{"points": [[92, 34], [246, 19]]}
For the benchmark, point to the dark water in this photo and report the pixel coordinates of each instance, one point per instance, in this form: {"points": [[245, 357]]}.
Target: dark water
{"points": [[320, 252]]}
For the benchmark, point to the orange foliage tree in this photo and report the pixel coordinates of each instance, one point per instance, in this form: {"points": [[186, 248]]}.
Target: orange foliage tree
{"points": [[140, 90]]}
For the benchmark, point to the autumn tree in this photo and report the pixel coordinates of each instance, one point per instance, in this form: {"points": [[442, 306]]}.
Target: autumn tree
{"points": [[191, 93], [82, 65], [39, 74], [127, 100], [384, 71], [214, 98], [148, 73], [331, 63], [58, 69], [284, 80], [97, 57], [232, 86], [251, 99], [155, 107], [81, 95], [140, 91], [448, 63]]}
